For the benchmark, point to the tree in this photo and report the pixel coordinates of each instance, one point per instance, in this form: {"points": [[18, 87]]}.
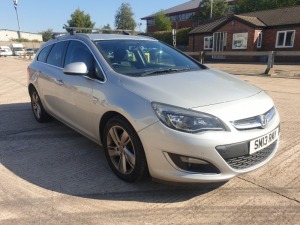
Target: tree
{"points": [[47, 35], [220, 8], [80, 19], [106, 29], [124, 18], [162, 22], [243, 6]]}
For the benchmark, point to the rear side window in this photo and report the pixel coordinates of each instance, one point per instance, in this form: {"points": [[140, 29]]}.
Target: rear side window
{"points": [[56, 54], [42, 57]]}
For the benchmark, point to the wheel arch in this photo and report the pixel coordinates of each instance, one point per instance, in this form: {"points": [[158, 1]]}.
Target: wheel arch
{"points": [[106, 117], [31, 88]]}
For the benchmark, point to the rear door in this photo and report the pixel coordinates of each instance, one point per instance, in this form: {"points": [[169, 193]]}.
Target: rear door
{"points": [[50, 72]]}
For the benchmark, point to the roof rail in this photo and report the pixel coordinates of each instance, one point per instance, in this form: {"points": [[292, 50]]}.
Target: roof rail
{"points": [[73, 30]]}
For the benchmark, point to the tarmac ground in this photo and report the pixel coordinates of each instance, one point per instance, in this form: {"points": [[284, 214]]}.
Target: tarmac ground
{"points": [[49, 174]]}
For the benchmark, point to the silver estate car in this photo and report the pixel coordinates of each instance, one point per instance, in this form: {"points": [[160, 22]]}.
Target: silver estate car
{"points": [[153, 109]]}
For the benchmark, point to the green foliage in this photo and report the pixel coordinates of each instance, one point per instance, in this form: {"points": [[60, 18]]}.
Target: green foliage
{"points": [[243, 6], [80, 19], [220, 8], [182, 37], [47, 35], [124, 18], [107, 29], [162, 22], [20, 40]]}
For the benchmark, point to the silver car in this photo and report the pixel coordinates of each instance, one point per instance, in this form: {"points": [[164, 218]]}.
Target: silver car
{"points": [[153, 109]]}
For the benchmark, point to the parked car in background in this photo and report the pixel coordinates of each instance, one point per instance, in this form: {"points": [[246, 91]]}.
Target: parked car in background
{"points": [[153, 109], [30, 51], [5, 51], [17, 49]]}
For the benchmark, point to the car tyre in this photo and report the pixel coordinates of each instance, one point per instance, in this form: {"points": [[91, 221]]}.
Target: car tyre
{"points": [[124, 150], [38, 110]]}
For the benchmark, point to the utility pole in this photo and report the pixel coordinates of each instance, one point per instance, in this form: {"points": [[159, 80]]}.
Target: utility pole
{"points": [[16, 8], [211, 8]]}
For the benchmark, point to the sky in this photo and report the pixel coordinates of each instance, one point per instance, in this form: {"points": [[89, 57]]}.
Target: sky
{"points": [[40, 15]]}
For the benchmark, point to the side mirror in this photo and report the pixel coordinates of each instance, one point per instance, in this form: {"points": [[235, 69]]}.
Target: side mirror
{"points": [[76, 68]]}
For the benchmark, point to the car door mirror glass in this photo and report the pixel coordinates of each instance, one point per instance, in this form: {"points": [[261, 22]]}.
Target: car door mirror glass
{"points": [[76, 68]]}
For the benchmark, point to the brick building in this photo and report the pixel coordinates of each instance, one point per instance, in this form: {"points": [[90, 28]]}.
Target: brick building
{"points": [[179, 15], [268, 30]]}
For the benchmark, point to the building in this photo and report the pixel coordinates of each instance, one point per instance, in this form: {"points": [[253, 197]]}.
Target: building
{"points": [[179, 15], [8, 35], [268, 30]]}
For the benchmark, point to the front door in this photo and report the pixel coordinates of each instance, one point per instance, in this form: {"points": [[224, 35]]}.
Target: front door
{"points": [[219, 44]]}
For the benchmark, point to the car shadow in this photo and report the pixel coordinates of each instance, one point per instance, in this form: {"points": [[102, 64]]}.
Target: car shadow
{"points": [[55, 157]]}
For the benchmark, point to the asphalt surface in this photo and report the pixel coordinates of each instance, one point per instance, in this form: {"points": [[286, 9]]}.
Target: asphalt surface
{"points": [[49, 174]]}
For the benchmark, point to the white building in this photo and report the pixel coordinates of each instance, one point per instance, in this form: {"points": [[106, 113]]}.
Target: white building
{"points": [[7, 35]]}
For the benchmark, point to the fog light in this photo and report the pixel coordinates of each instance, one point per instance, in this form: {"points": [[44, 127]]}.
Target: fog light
{"points": [[190, 160], [191, 164]]}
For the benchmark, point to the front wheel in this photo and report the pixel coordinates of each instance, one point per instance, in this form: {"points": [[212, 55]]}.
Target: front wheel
{"points": [[38, 110], [124, 150]]}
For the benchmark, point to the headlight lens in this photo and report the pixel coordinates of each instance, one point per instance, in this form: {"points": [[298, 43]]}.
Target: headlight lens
{"points": [[186, 120]]}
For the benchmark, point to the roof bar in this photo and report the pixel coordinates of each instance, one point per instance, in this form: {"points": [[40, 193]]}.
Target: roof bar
{"points": [[73, 30]]}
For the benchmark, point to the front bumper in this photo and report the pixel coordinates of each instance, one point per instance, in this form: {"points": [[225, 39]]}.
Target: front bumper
{"points": [[159, 140]]}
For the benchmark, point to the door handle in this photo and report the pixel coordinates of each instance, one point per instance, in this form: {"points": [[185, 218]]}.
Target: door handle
{"points": [[95, 99]]}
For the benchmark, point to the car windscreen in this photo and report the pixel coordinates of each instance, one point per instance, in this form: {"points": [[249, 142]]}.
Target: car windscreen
{"points": [[144, 57]]}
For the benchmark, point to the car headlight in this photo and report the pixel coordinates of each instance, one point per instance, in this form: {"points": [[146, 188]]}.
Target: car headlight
{"points": [[186, 120]]}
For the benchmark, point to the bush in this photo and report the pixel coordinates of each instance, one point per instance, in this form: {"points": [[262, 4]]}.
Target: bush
{"points": [[182, 36], [20, 40]]}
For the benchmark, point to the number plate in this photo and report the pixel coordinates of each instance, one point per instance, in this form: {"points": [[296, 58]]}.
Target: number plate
{"points": [[264, 141]]}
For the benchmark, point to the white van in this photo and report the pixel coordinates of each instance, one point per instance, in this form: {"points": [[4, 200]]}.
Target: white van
{"points": [[5, 51], [17, 49]]}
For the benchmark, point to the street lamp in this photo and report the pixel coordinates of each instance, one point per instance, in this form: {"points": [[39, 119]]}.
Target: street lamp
{"points": [[211, 8], [16, 8]]}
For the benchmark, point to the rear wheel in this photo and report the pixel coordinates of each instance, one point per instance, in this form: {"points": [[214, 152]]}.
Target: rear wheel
{"points": [[38, 110], [124, 150]]}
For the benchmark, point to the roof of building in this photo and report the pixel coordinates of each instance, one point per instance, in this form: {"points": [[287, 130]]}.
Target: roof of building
{"points": [[187, 6], [265, 18], [190, 5], [209, 25], [277, 17], [251, 20]]}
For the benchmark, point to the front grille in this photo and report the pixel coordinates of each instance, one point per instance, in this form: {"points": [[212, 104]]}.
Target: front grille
{"points": [[259, 121], [246, 161], [238, 157]]}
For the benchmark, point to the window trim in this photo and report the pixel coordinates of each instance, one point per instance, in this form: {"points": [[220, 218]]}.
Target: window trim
{"points": [[284, 41], [259, 39], [204, 42], [68, 40]]}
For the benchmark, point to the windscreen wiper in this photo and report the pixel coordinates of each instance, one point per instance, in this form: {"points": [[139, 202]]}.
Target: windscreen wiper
{"points": [[169, 70]]}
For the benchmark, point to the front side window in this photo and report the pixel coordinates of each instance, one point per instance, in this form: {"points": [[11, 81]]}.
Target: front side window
{"points": [[143, 57], [285, 39], [79, 52], [208, 43]]}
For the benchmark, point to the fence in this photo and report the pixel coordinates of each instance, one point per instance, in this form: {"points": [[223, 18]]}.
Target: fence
{"points": [[270, 55]]}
